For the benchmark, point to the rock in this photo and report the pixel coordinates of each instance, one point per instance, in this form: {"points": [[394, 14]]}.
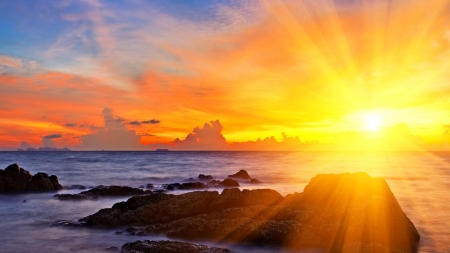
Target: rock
{"points": [[170, 187], [148, 246], [112, 248], [214, 183], [18, 180], [191, 186], [149, 186], [162, 208], [114, 191], [242, 174], [229, 183], [255, 181], [94, 193], [206, 178], [335, 213], [76, 187]]}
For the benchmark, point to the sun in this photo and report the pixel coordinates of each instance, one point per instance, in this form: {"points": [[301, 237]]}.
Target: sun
{"points": [[373, 122]]}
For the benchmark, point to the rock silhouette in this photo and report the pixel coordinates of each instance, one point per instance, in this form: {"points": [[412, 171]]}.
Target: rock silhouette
{"points": [[337, 213], [104, 191], [168, 247], [14, 179]]}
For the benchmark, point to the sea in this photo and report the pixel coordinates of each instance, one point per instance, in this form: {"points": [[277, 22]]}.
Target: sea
{"points": [[419, 180]]}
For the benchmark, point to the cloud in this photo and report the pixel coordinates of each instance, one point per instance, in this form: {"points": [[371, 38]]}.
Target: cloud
{"points": [[112, 136], [9, 61], [71, 124], [47, 140], [135, 123], [52, 136], [25, 145], [152, 121], [207, 138], [138, 123]]}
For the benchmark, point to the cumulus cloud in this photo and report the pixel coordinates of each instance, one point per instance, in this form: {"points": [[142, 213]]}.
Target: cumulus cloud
{"points": [[25, 145], [209, 137], [112, 136], [47, 140]]}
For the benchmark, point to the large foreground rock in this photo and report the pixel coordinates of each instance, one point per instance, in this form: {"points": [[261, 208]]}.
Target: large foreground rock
{"points": [[14, 179], [168, 247], [338, 213]]}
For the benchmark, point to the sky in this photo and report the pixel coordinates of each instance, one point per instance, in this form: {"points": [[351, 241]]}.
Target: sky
{"points": [[225, 75]]}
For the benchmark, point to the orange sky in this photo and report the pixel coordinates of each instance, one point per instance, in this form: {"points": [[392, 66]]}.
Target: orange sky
{"points": [[318, 70]]}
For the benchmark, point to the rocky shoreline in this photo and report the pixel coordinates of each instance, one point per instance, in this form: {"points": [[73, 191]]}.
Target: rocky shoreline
{"points": [[338, 213], [349, 212]]}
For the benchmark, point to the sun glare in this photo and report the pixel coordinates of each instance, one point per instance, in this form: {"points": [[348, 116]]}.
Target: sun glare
{"points": [[373, 122]]}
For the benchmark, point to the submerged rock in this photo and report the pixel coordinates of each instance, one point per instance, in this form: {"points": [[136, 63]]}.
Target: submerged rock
{"points": [[168, 247], [242, 174], [14, 179], [103, 191], [337, 213], [206, 178]]}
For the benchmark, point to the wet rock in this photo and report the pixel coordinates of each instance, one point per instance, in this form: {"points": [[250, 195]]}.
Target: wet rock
{"points": [[114, 191], [162, 208], [255, 181], [149, 186], [148, 246], [205, 178], [94, 193], [242, 174], [170, 187], [214, 183], [76, 187], [229, 183], [112, 248], [337, 213], [190, 180], [14, 179], [192, 186]]}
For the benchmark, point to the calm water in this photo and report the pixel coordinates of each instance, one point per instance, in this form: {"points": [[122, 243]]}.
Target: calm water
{"points": [[420, 181]]}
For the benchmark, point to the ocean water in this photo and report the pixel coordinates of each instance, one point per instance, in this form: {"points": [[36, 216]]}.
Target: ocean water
{"points": [[419, 180]]}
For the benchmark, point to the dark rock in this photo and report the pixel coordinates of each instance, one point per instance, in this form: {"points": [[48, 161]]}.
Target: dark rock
{"points": [[191, 186], [168, 247], [150, 186], [335, 213], [214, 183], [162, 208], [229, 183], [170, 187], [94, 193], [112, 248], [255, 181], [113, 191], [190, 180], [76, 187], [206, 178], [18, 180], [242, 174]]}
